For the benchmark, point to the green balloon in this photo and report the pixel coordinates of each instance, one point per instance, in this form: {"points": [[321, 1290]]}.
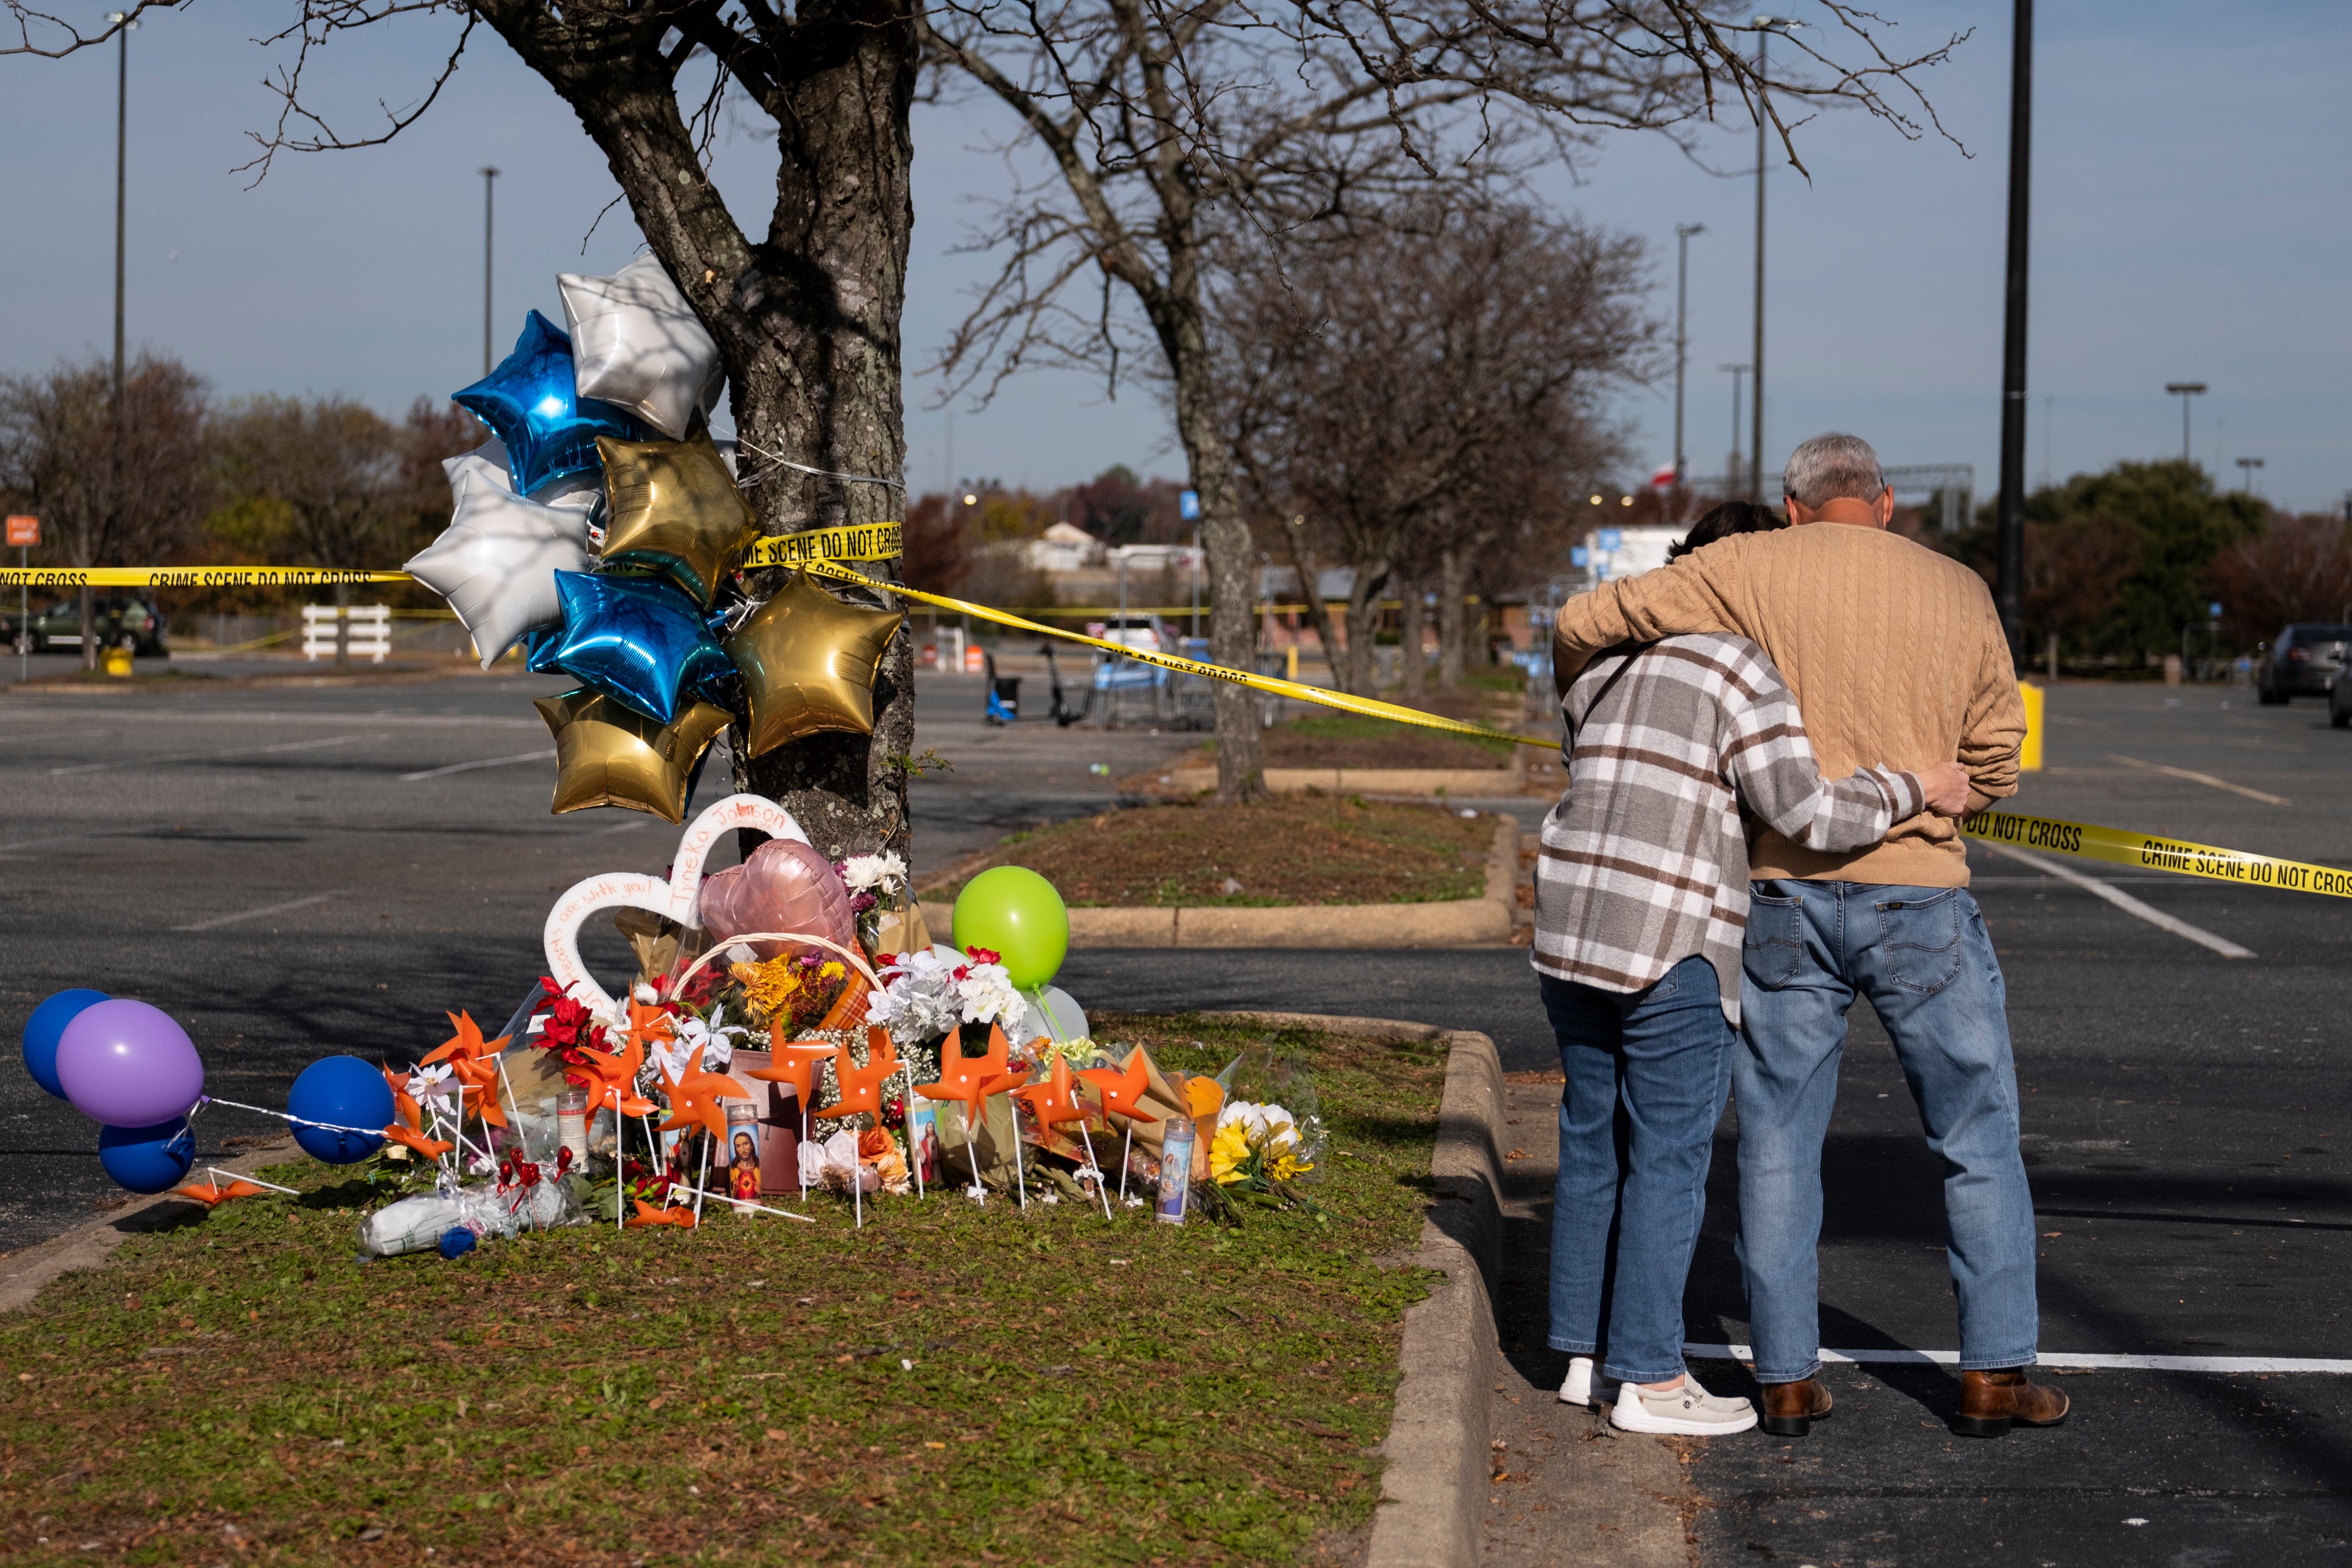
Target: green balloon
{"points": [[1016, 914]]}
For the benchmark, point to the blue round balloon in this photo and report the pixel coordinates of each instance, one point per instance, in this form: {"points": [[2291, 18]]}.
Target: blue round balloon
{"points": [[342, 1091], [43, 1028], [147, 1159]]}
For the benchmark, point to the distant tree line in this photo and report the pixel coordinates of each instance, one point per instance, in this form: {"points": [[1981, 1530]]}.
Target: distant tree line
{"points": [[2118, 563], [182, 479]]}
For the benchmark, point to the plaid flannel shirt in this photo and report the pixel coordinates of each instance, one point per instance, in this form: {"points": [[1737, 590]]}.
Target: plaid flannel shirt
{"points": [[1645, 861]]}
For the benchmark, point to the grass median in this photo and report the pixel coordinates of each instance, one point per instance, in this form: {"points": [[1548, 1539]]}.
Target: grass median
{"points": [[1293, 849], [951, 1384]]}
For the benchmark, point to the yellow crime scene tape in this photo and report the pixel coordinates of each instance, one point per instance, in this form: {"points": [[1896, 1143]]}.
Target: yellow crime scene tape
{"points": [[1370, 707], [2148, 852]]}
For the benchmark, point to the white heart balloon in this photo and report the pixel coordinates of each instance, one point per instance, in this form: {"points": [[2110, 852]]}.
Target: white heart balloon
{"points": [[673, 899], [497, 560], [638, 345]]}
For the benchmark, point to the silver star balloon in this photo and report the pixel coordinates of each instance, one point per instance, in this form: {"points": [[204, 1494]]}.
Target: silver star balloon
{"points": [[497, 560], [638, 345], [487, 462]]}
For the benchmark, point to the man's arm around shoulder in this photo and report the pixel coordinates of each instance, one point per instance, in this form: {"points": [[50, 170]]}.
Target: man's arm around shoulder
{"points": [[1700, 592]]}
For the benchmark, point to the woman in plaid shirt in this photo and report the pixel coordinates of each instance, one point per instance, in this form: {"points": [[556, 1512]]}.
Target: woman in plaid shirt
{"points": [[1640, 904]]}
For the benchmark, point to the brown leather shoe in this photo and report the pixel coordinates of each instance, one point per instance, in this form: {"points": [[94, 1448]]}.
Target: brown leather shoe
{"points": [[1790, 1409], [1991, 1401]]}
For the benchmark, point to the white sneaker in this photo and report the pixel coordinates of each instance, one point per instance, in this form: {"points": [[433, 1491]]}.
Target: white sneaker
{"points": [[1587, 1386], [1689, 1411]]}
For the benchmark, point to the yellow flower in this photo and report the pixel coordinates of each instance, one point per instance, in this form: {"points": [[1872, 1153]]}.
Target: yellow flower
{"points": [[832, 971], [1289, 1167], [1227, 1151], [768, 986]]}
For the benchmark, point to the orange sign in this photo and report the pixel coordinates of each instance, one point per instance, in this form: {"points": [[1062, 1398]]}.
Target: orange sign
{"points": [[23, 530]]}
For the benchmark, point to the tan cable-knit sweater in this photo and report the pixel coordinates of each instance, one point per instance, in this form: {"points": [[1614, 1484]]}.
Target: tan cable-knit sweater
{"points": [[1893, 653]]}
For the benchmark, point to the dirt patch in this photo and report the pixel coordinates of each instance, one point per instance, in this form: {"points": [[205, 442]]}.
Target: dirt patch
{"points": [[1299, 849], [1347, 741]]}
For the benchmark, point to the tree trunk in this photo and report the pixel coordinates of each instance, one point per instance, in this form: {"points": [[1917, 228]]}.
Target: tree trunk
{"points": [[1363, 629], [1453, 575], [807, 320], [88, 628], [1318, 614], [1225, 536], [1410, 627]]}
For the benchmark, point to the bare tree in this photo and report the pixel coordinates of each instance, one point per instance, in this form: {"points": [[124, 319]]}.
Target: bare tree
{"points": [[107, 494], [1163, 129], [805, 308], [2298, 569], [1408, 376]]}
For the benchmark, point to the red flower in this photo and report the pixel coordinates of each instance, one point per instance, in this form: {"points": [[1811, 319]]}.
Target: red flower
{"points": [[981, 955]]}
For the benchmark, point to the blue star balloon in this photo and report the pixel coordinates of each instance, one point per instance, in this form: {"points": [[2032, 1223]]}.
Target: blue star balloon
{"points": [[636, 639], [529, 404]]}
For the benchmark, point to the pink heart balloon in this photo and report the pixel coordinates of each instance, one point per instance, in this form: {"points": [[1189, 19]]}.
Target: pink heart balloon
{"points": [[785, 886]]}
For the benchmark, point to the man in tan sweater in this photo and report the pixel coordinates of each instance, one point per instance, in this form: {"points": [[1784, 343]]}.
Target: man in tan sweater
{"points": [[1895, 654]]}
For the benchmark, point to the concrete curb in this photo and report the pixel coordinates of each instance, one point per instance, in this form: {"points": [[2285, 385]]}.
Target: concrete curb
{"points": [[1433, 1491], [1480, 782], [1456, 922], [91, 1244]]}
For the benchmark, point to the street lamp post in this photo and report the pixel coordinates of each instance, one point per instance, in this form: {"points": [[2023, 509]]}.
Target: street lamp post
{"points": [[1731, 484], [2011, 592], [1683, 231], [1765, 26], [126, 23], [488, 175], [2184, 390], [2247, 466]]}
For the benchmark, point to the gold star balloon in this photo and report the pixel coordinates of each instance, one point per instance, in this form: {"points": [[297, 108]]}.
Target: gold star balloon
{"points": [[607, 753], [672, 506], [807, 661]]}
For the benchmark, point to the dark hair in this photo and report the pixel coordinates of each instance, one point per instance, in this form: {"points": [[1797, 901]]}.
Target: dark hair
{"points": [[1724, 520]]}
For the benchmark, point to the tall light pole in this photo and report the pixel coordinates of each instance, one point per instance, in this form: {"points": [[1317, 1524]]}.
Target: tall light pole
{"points": [[488, 175], [2010, 591], [2184, 390], [1765, 26], [1683, 231], [125, 22], [1731, 483], [2247, 466]]}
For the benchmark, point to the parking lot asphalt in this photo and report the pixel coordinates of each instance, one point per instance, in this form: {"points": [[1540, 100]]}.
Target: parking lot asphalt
{"points": [[262, 864]]}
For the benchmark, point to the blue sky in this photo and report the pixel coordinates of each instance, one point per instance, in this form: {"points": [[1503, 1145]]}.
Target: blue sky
{"points": [[2191, 223]]}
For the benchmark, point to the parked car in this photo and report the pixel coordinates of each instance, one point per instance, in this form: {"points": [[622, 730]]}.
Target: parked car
{"points": [[121, 620], [2303, 661]]}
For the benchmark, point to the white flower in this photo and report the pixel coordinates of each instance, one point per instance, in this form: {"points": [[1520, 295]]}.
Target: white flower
{"points": [[987, 995], [428, 1081], [671, 1055], [647, 994], [1281, 1130], [715, 1045], [1251, 1117], [884, 873]]}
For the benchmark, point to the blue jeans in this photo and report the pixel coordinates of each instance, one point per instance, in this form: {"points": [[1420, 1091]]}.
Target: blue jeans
{"points": [[1646, 1075], [1923, 958]]}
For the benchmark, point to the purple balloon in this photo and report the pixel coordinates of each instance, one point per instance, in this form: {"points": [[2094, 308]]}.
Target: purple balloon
{"points": [[125, 1064]]}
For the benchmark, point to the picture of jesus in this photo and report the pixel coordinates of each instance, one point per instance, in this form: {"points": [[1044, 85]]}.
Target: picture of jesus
{"points": [[743, 1170]]}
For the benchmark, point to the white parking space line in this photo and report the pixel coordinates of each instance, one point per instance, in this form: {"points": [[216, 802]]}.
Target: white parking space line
{"points": [[208, 756], [2124, 902], [485, 762], [2195, 778], [257, 914], [2221, 1363]]}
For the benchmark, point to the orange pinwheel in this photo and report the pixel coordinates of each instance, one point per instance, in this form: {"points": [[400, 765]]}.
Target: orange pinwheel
{"points": [[612, 1073], [969, 1079], [466, 1042], [212, 1193], [648, 1024], [409, 1137], [861, 1087], [1122, 1089], [478, 1076], [649, 1216], [694, 1097], [1051, 1102], [795, 1065]]}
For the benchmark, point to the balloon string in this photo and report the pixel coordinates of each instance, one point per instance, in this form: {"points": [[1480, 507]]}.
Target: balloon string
{"points": [[770, 459], [285, 1116]]}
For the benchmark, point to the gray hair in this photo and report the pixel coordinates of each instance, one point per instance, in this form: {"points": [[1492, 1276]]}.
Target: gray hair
{"points": [[1832, 465]]}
